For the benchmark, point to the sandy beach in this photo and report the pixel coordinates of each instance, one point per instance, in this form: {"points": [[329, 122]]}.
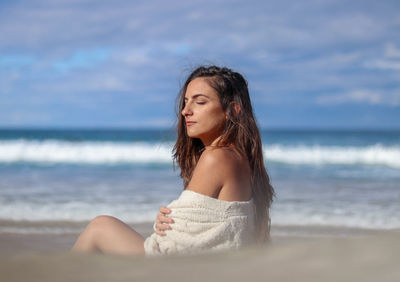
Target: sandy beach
{"points": [[341, 255]]}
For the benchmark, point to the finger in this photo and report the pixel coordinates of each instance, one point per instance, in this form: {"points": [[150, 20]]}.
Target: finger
{"points": [[163, 227], [165, 210], [161, 231], [161, 218], [165, 219]]}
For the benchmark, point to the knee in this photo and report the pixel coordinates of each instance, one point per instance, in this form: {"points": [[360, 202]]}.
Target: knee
{"points": [[102, 221], [100, 224], [89, 239]]}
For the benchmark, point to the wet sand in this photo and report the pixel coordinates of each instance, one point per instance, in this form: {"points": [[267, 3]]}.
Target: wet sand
{"points": [[344, 255]]}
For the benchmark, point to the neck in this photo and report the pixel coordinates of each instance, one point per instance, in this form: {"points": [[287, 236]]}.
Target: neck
{"points": [[211, 142]]}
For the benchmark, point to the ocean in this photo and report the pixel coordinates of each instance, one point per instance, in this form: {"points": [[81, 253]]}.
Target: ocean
{"points": [[52, 181]]}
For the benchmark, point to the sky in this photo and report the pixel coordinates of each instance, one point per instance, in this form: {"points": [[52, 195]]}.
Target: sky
{"points": [[120, 64]]}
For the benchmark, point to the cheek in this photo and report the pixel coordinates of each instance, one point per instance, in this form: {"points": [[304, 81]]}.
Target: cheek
{"points": [[216, 117]]}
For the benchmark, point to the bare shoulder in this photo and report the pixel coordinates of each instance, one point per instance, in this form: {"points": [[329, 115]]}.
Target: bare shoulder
{"points": [[222, 160], [218, 156], [221, 173]]}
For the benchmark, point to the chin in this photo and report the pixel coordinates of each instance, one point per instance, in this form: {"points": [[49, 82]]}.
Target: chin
{"points": [[193, 135]]}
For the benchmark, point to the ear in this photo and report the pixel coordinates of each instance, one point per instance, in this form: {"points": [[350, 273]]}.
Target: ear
{"points": [[235, 108]]}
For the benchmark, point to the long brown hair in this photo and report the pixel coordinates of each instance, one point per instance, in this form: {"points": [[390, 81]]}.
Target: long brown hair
{"points": [[240, 130]]}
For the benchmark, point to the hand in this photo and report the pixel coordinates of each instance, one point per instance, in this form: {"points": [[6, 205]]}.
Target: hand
{"points": [[163, 221]]}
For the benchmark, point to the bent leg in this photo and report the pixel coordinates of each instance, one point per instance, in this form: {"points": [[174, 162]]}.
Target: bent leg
{"points": [[108, 234]]}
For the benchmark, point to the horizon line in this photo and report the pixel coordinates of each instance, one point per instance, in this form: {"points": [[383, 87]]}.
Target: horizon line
{"points": [[151, 128]]}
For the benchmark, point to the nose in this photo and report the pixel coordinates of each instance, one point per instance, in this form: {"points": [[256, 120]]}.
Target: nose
{"points": [[186, 111]]}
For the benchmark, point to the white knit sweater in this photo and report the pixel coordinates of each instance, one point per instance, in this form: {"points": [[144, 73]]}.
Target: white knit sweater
{"points": [[203, 224]]}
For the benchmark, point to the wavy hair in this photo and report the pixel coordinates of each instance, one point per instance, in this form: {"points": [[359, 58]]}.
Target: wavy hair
{"points": [[240, 130]]}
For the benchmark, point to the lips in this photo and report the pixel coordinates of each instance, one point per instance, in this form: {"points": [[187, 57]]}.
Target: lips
{"points": [[189, 123]]}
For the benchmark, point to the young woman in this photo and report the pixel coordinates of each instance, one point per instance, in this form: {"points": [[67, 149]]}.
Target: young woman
{"points": [[219, 152]]}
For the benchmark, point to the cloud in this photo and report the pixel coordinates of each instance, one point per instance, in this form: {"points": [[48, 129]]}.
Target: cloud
{"points": [[391, 98], [391, 51], [384, 65], [18, 117], [388, 60]]}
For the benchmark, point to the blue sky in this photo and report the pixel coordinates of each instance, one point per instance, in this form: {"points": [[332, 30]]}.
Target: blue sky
{"points": [[309, 64]]}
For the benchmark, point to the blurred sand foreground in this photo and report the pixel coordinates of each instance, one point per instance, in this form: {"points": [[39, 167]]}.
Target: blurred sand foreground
{"points": [[368, 258]]}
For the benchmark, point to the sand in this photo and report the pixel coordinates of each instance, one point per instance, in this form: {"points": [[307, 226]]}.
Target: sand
{"points": [[348, 255]]}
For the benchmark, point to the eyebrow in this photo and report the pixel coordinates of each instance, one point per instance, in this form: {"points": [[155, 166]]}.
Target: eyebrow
{"points": [[197, 95]]}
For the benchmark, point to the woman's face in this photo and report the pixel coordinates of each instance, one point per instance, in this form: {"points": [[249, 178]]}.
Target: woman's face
{"points": [[203, 113]]}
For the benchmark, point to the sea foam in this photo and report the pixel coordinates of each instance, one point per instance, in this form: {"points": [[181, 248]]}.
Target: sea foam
{"points": [[340, 155], [112, 153], [54, 151]]}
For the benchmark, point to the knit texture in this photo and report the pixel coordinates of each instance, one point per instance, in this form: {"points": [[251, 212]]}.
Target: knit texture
{"points": [[204, 224]]}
